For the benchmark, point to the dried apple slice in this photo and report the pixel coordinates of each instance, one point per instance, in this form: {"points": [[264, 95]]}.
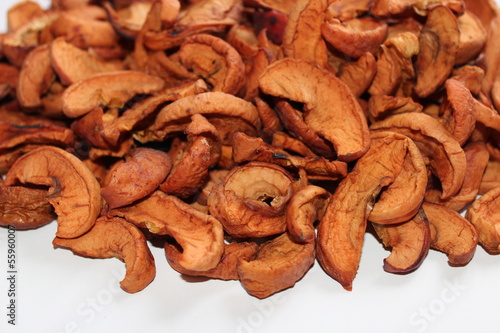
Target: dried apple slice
{"points": [[35, 77], [356, 36], [439, 42], [191, 165], [142, 171], [226, 269], [251, 201], [199, 236], [410, 243], [451, 233], [305, 208], [402, 199], [342, 228], [477, 160], [115, 237], [214, 60], [457, 111], [107, 89], [73, 64], [302, 37], [472, 37], [229, 114], [73, 190], [42, 133], [358, 75], [483, 214], [24, 208], [446, 156], [247, 148], [343, 123], [278, 264]]}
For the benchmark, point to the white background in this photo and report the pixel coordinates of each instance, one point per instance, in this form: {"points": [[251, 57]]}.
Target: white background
{"points": [[59, 292]]}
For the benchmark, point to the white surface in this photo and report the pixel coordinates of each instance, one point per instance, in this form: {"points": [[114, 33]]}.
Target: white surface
{"points": [[59, 292]]}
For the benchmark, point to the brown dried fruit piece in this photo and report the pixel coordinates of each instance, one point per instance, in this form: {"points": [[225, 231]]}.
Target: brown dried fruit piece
{"points": [[355, 37], [477, 160], [22, 12], [128, 21], [215, 60], [191, 166], [439, 42], [342, 228], [401, 200], [451, 233], [410, 243], [9, 77], [247, 148], [199, 236], [395, 69], [226, 268], [140, 174], [229, 114], [278, 264], [17, 44], [35, 77], [38, 133], [343, 123], [446, 157], [73, 190], [107, 89], [136, 117], [483, 214], [359, 75], [202, 16], [24, 207], [305, 208], [472, 37], [491, 177], [457, 112], [251, 201], [73, 64], [115, 237], [302, 37], [84, 32]]}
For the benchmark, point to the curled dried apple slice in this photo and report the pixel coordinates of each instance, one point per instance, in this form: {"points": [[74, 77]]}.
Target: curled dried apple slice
{"points": [[214, 60], [251, 200], [198, 236], [229, 114], [410, 243], [451, 233], [446, 156], [342, 228], [477, 157], [355, 37], [115, 237], [343, 123], [142, 171], [226, 269], [305, 208], [24, 208], [483, 214], [73, 190], [302, 37], [73, 64], [402, 199], [107, 89], [278, 264], [439, 42]]}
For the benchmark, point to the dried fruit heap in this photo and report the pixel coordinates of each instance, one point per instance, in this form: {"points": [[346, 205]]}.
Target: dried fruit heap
{"points": [[253, 137]]}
